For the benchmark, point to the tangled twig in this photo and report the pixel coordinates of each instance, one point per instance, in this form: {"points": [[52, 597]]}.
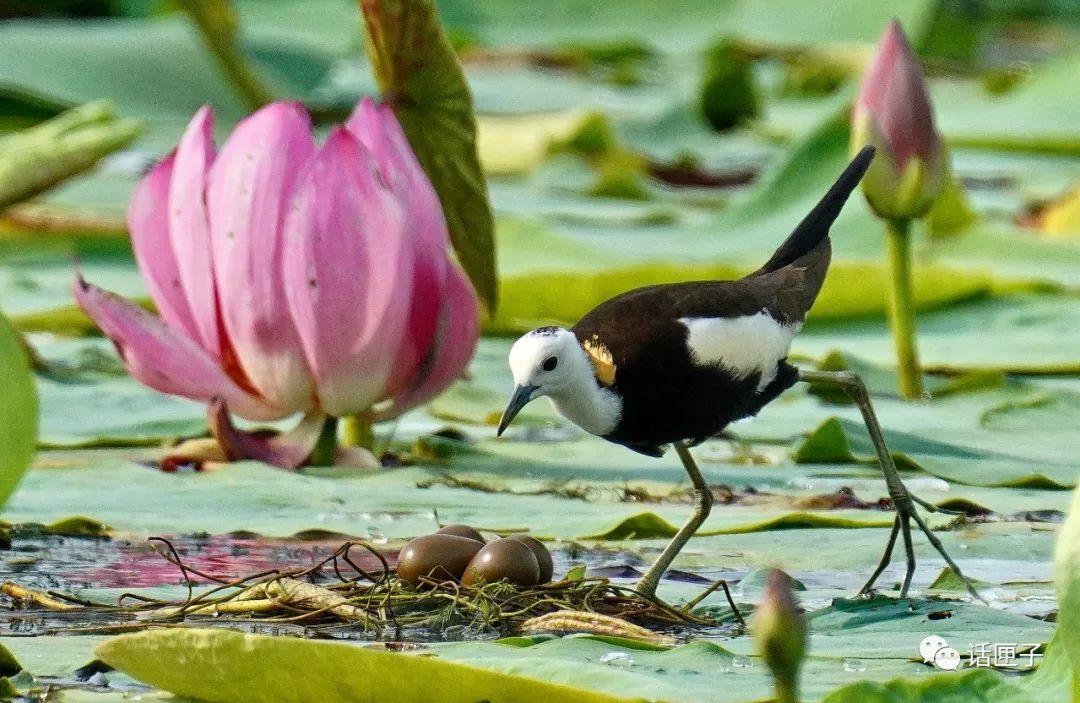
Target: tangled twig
{"points": [[338, 592]]}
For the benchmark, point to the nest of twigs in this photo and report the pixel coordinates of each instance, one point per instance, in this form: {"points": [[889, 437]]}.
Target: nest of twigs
{"points": [[337, 593]]}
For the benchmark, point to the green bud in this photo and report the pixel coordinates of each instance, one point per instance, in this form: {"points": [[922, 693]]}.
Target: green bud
{"points": [[779, 626], [899, 190]]}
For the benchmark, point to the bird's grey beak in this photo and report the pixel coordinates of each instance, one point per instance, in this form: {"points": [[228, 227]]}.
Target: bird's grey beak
{"points": [[522, 396]]}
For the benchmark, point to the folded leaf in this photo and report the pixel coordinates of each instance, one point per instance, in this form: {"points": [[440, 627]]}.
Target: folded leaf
{"points": [[36, 159], [216, 665], [18, 410]]}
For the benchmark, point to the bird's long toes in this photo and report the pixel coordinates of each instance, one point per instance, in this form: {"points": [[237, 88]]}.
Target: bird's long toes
{"points": [[940, 548]]}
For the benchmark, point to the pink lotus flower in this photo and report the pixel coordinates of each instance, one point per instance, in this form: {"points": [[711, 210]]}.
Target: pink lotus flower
{"points": [[894, 114], [292, 278]]}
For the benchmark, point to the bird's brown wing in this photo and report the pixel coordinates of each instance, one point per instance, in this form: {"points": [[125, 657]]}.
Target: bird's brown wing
{"points": [[789, 292], [645, 321], [786, 293]]}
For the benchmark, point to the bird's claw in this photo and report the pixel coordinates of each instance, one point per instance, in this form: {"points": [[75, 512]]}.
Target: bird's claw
{"points": [[931, 508], [906, 512]]}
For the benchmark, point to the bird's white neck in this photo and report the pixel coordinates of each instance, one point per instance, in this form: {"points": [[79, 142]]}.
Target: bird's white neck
{"points": [[588, 405], [596, 411]]}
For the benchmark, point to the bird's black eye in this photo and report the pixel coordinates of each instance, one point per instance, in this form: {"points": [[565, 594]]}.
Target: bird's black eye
{"points": [[550, 363]]}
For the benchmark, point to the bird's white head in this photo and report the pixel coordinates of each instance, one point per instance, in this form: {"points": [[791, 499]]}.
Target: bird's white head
{"points": [[547, 361], [544, 358]]}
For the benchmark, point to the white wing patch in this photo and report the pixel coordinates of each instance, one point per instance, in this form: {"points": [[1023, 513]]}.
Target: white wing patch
{"points": [[743, 345]]}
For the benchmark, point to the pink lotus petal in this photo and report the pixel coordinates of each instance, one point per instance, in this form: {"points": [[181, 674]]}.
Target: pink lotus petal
{"points": [[288, 451], [162, 358], [428, 278], [346, 256], [366, 124], [428, 281], [378, 129], [458, 330], [148, 223], [248, 195], [398, 150], [894, 94], [190, 231]]}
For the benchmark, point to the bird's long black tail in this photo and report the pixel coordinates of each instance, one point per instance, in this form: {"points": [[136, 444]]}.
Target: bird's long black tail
{"points": [[815, 226]]}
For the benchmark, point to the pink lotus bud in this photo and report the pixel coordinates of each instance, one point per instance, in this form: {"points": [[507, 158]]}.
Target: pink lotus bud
{"points": [[291, 277], [893, 113], [779, 627]]}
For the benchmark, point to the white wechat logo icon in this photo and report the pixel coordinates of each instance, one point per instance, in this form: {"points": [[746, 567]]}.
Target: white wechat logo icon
{"points": [[935, 650]]}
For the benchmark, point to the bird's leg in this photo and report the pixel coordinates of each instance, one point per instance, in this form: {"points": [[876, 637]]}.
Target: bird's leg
{"points": [[886, 556], [703, 501], [902, 500]]}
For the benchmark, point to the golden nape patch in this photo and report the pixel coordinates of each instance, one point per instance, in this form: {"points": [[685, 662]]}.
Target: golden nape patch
{"points": [[603, 364]]}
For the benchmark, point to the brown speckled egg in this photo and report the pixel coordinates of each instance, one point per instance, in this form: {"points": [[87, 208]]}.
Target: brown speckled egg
{"points": [[503, 559], [462, 531], [438, 557], [543, 556]]}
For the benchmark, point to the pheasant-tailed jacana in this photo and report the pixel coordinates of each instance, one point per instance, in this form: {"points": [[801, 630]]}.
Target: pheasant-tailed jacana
{"points": [[674, 364]]}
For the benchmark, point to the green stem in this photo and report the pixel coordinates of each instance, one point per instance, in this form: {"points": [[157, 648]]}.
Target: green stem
{"points": [[216, 21], [356, 431], [902, 308], [787, 691], [325, 452]]}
